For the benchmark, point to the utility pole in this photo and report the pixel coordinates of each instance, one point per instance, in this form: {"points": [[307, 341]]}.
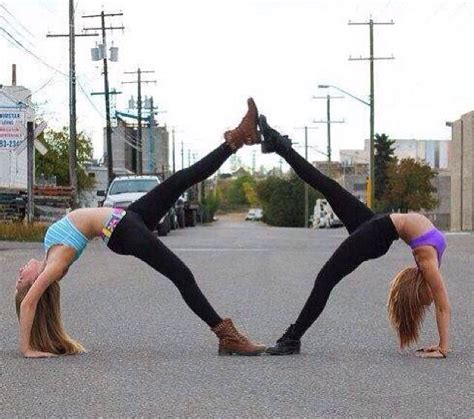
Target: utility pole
{"points": [[30, 138], [173, 150], [182, 155], [72, 97], [106, 92], [371, 58], [306, 187], [328, 123], [151, 138], [254, 156], [139, 82]]}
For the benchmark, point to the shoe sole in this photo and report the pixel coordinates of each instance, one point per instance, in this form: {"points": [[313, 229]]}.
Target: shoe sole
{"points": [[225, 352], [292, 352]]}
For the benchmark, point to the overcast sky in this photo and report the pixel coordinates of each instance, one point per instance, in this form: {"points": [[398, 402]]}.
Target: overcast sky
{"points": [[210, 55]]}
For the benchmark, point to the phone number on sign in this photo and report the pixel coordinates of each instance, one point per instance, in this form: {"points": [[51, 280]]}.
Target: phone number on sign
{"points": [[9, 143]]}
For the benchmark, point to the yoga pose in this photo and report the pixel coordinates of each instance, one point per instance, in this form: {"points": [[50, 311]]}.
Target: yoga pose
{"points": [[126, 232], [370, 236]]}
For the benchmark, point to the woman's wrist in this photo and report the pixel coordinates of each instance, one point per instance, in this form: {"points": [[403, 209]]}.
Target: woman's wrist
{"points": [[25, 348]]}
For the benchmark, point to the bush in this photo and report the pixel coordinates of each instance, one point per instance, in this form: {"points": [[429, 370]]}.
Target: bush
{"points": [[237, 194], [23, 232], [209, 206], [283, 201]]}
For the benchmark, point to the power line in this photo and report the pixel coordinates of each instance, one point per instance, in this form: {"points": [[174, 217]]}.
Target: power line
{"points": [[17, 32], [19, 45], [17, 21]]}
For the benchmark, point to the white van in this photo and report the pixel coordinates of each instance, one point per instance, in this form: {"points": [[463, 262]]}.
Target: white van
{"points": [[324, 216]]}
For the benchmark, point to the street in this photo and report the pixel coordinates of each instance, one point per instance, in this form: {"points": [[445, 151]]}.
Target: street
{"points": [[149, 355]]}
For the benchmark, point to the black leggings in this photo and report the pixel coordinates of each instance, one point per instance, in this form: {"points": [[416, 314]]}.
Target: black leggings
{"points": [[370, 237], [133, 235]]}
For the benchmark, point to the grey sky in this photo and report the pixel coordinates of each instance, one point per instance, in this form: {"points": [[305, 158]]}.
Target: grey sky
{"points": [[210, 55]]}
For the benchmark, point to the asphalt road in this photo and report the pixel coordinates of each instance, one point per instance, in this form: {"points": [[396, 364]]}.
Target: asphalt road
{"points": [[148, 355]]}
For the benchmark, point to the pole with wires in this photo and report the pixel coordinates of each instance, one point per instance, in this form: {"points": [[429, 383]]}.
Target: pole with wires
{"points": [[106, 92], [72, 98]]}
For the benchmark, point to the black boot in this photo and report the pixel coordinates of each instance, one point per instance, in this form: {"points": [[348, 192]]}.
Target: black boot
{"points": [[288, 344], [272, 141]]}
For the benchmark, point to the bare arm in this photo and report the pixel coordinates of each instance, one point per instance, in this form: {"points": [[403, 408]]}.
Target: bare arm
{"points": [[52, 272], [428, 263]]}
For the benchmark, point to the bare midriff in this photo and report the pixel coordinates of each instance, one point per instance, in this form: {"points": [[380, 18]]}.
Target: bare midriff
{"points": [[411, 225], [89, 221]]}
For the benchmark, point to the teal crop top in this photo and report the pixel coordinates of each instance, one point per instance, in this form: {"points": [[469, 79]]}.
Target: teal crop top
{"points": [[63, 232]]}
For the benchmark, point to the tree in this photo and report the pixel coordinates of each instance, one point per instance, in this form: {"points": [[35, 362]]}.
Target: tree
{"points": [[236, 195], [283, 200], [56, 161], [384, 155], [409, 186]]}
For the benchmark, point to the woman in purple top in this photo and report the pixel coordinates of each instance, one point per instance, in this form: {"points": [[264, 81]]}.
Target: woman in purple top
{"points": [[370, 236]]}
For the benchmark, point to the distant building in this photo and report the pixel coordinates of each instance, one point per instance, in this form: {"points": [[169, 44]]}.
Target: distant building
{"points": [[350, 173], [433, 152], [462, 169], [155, 149]]}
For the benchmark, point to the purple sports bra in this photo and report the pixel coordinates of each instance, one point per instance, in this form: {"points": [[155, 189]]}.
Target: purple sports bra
{"points": [[432, 237]]}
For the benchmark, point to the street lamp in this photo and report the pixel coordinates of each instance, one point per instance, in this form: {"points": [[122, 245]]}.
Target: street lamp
{"points": [[370, 195]]}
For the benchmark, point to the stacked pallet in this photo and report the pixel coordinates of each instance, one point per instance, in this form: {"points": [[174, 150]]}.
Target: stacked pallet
{"points": [[52, 202], [12, 205]]}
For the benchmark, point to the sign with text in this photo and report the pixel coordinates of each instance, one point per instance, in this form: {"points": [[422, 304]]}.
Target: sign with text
{"points": [[12, 128]]}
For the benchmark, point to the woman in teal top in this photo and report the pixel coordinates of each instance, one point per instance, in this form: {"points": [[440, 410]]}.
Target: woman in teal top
{"points": [[65, 233], [127, 232]]}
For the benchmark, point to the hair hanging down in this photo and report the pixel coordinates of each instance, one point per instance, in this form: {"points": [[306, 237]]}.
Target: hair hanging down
{"points": [[47, 331], [406, 304]]}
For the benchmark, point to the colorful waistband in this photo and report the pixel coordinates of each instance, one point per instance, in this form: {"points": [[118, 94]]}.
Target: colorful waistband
{"points": [[111, 223]]}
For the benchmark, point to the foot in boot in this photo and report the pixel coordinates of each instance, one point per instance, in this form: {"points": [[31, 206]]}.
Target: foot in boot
{"points": [[288, 344], [231, 341], [272, 139], [246, 132]]}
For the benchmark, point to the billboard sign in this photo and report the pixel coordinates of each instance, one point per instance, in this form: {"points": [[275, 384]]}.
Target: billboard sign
{"points": [[12, 128]]}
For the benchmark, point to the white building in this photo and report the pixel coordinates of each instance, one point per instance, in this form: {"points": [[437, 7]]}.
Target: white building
{"points": [[433, 152], [15, 112]]}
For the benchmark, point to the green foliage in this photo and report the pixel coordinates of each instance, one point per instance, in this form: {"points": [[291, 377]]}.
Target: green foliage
{"points": [[209, 206], [283, 200], [384, 155], [237, 193], [56, 161], [409, 186]]}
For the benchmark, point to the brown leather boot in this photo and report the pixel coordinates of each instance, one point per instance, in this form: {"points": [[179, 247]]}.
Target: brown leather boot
{"points": [[231, 341], [246, 132]]}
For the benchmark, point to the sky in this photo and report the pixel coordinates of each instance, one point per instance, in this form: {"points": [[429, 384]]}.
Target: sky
{"points": [[208, 56]]}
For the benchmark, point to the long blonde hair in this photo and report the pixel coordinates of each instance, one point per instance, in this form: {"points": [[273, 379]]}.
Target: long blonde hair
{"points": [[407, 305], [47, 332]]}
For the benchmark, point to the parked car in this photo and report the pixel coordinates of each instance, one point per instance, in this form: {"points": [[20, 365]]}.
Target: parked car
{"points": [[254, 214], [127, 189]]}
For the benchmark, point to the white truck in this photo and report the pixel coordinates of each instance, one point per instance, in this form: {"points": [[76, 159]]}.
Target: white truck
{"points": [[324, 216], [126, 189]]}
